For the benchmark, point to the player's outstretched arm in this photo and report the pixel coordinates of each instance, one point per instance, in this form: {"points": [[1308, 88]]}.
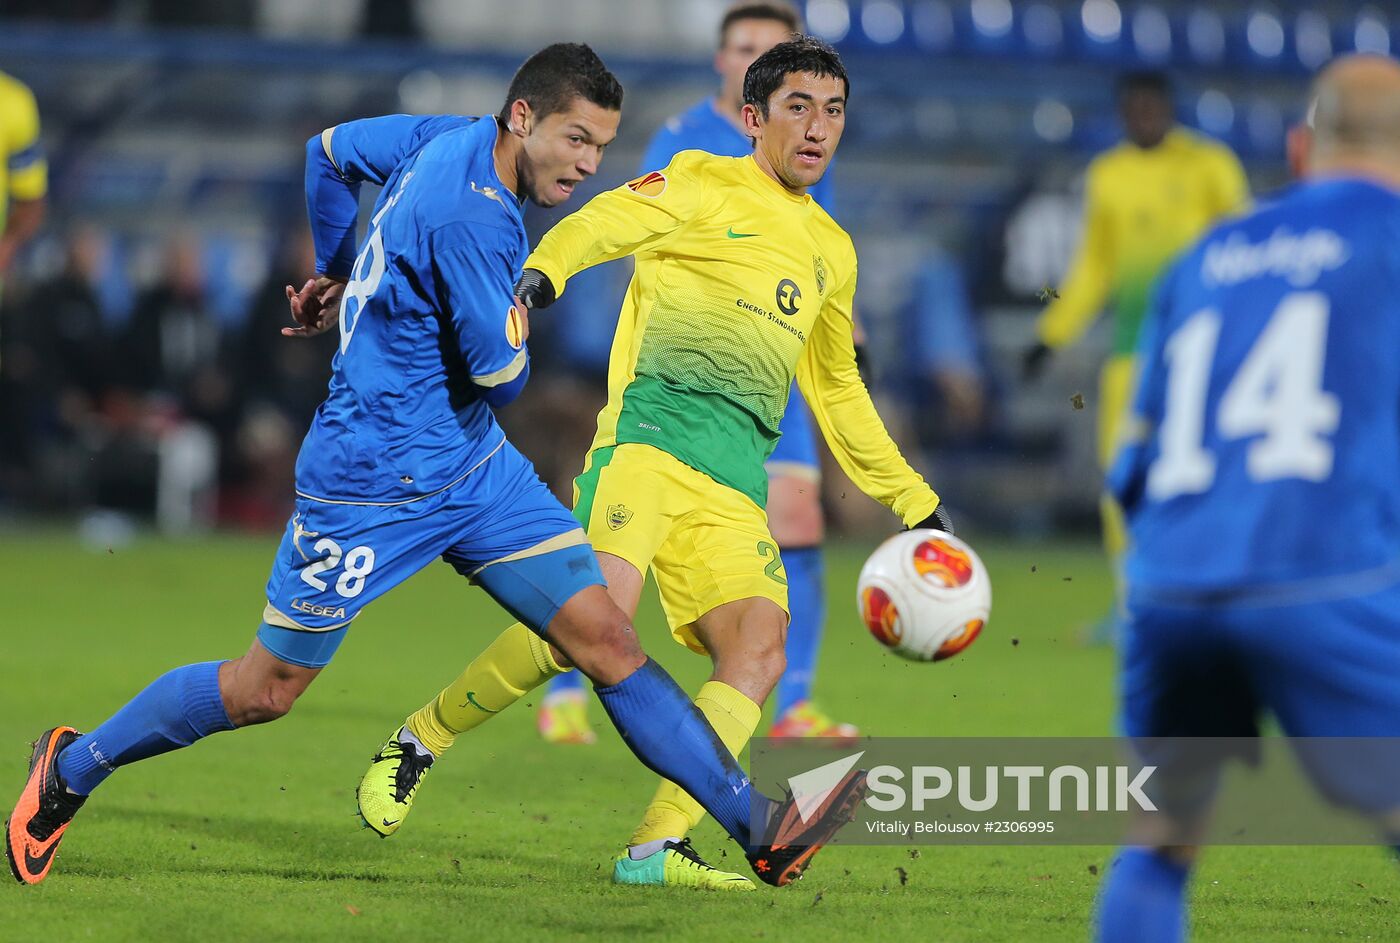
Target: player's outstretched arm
{"points": [[1081, 295], [639, 215], [831, 384]]}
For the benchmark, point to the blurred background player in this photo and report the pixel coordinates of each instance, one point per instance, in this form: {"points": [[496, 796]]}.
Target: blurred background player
{"points": [[1262, 492], [1144, 200], [794, 471], [23, 172]]}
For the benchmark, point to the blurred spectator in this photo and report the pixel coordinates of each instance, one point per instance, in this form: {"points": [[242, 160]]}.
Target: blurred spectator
{"points": [[287, 374], [56, 362], [281, 382], [938, 372]]}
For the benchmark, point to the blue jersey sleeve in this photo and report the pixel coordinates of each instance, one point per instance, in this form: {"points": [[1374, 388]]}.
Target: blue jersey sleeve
{"points": [[475, 279], [339, 159]]}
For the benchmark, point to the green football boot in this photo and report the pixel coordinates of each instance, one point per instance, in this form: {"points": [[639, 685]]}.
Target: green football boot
{"points": [[386, 792], [677, 865]]}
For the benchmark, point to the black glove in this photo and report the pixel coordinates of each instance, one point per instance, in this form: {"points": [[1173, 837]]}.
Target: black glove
{"points": [[534, 290], [1033, 361], [864, 365], [938, 520]]}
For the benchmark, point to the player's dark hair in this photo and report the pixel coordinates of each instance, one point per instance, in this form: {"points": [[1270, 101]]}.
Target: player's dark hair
{"points": [[1154, 81], [777, 12], [553, 77], [804, 55]]}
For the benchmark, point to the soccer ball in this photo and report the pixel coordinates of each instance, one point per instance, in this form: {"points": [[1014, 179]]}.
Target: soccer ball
{"points": [[924, 594]]}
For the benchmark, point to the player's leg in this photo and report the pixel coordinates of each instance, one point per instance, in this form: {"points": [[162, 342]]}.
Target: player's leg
{"points": [[724, 590], [1181, 675], [515, 663], [745, 641], [1116, 381], [1327, 670], [518, 661], [796, 521], [323, 585]]}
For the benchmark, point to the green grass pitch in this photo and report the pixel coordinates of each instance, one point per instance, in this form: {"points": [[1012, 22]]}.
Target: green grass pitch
{"points": [[252, 835]]}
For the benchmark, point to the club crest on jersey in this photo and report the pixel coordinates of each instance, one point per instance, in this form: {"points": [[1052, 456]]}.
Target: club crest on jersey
{"points": [[652, 184], [515, 328], [819, 272], [618, 516]]}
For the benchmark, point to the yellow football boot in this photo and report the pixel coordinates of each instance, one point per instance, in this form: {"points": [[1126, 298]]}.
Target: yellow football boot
{"points": [[387, 789]]}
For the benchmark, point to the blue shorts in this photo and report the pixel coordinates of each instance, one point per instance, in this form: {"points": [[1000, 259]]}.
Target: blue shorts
{"points": [[500, 527], [795, 455], [1322, 669]]}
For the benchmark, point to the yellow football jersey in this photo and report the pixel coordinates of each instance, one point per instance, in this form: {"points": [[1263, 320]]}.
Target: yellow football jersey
{"points": [[739, 285], [23, 173], [1141, 207]]}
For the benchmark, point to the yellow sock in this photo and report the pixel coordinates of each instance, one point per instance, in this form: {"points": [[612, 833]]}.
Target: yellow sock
{"points": [[516, 662], [672, 812]]}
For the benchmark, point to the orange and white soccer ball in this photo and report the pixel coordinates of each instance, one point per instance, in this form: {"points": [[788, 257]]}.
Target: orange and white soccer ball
{"points": [[924, 594]]}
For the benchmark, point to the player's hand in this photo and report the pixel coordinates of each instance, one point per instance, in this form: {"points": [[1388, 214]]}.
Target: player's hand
{"points": [[1033, 361], [316, 307], [938, 520], [534, 290]]}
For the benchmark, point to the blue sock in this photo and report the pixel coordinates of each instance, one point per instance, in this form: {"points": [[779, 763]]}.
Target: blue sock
{"points": [[568, 681], [175, 710], [1143, 899], [672, 738], [807, 602]]}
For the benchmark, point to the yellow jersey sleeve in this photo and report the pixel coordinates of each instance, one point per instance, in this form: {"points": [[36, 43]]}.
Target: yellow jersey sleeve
{"points": [[827, 376], [641, 215], [27, 172], [1086, 285]]}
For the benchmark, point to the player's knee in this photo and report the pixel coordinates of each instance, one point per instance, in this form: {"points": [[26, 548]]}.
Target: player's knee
{"points": [[606, 648], [769, 657], [259, 705]]}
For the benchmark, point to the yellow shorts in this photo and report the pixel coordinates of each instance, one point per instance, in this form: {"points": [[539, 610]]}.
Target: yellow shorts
{"points": [[705, 543]]}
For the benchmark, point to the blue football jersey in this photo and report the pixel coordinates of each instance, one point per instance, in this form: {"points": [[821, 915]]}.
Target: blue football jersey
{"points": [[1267, 446], [427, 327], [701, 128]]}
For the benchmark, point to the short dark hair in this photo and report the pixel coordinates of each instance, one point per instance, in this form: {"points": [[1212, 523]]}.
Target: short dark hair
{"points": [[1154, 81], [777, 12], [805, 54], [553, 77]]}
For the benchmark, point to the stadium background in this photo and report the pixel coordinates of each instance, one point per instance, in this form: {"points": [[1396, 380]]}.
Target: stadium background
{"points": [[145, 398], [142, 368]]}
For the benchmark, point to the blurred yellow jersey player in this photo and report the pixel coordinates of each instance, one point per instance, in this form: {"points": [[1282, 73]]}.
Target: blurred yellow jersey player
{"points": [[23, 172], [742, 282], [1145, 200]]}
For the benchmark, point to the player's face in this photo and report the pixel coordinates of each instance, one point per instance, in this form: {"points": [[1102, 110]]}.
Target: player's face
{"points": [[745, 41], [806, 117], [564, 148], [1147, 116]]}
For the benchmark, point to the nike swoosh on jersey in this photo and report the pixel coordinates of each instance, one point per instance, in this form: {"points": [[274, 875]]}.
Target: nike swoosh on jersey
{"points": [[740, 235]]}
